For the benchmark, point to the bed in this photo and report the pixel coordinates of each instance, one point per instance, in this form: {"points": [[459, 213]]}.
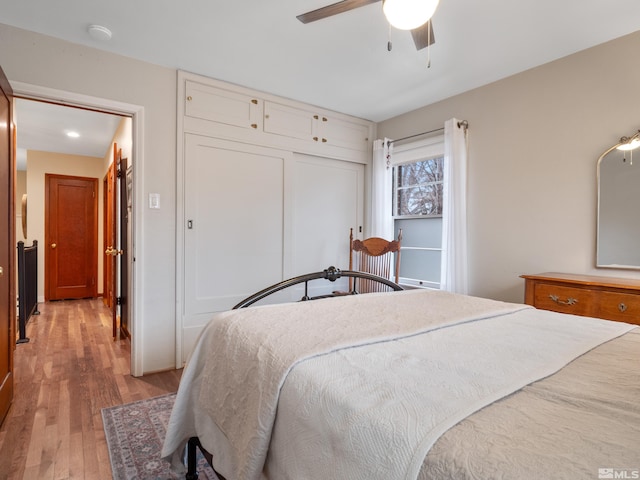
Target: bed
{"points": [[413, 384]]}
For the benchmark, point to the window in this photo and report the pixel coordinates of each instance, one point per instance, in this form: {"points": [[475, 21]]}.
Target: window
{"points": [[417, 210], [418, 188]]}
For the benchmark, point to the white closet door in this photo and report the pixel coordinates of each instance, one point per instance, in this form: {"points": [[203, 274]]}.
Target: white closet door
{"points": [[233, 236], [328, 201]]}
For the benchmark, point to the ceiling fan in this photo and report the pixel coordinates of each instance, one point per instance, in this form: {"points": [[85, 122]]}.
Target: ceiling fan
{"points": [[422, 35]]}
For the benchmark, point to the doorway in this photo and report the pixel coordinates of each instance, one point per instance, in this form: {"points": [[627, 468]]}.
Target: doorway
{"points": [[135, 116]]}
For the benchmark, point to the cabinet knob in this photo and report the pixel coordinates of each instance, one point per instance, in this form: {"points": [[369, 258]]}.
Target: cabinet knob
{"points": [[315, 139], [324, 140], [324, 119], [254, 101], [315, 117], [254, 125], [189, 98]]}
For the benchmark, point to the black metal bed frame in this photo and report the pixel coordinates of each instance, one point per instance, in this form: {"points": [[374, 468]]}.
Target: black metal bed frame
{"points": [[331, 274]]}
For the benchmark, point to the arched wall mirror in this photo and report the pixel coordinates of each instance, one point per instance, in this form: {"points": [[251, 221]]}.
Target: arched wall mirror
{"points": [[618, 222]]}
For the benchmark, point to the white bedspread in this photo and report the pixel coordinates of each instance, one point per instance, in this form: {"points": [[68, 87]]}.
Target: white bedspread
{"points": [[230, 389]]}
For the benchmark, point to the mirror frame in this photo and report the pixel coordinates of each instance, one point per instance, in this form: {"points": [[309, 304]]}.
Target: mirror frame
{"points": [[598, 240]]}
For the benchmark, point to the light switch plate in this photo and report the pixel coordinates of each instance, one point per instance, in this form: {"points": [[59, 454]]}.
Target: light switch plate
{"points": [[154, 200]]}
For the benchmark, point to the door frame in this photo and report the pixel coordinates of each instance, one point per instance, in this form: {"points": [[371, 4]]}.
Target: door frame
{"points": [[136, 112]]}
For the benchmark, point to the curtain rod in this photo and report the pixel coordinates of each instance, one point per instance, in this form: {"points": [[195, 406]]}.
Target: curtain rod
{"points": [[462, 124]]}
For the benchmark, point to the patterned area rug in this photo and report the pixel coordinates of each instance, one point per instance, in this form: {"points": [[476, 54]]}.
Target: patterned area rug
{"points": [[135, 433]]}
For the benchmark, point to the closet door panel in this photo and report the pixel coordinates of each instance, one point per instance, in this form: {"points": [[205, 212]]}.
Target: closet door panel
{"points": [[328, 201], [233, 235]]}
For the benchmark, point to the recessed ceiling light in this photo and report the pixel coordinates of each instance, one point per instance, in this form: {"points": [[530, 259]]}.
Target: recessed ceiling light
{"points": [[98, 32], [73, 134]]}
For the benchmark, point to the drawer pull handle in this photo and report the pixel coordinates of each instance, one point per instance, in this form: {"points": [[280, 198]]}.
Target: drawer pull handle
{"points": [[622, 307], [570, 301]]}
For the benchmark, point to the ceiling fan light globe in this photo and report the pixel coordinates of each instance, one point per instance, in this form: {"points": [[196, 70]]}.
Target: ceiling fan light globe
{"points": [[408, 14], [629, 144]]}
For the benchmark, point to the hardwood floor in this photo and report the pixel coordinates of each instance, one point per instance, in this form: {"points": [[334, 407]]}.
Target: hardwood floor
{"points": [[68, 372]]}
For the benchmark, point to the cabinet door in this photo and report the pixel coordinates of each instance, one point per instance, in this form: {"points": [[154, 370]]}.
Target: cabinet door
{"points": [[222, 106], [327, 202], [343, 133], [288, 121], [233, 232]]}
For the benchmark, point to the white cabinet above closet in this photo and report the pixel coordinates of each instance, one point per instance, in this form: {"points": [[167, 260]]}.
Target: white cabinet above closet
{"points": [[214, 108], [321, 128]]}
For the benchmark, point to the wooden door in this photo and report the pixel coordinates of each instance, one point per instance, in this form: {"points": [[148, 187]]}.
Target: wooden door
{"points": [[125, 180], [109, 237], [7, 248], [71, 233], [106, 263], [115, 252]]}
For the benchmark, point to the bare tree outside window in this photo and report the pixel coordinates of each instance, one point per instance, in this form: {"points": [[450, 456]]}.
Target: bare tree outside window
{"points": [[418, 188]]}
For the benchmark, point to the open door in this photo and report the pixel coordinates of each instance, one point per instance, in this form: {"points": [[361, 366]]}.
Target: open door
{"points": [[7, 247], [125, 182], [116, 215], [110, 236]]}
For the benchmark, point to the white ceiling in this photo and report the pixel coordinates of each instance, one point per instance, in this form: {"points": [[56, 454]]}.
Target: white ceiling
{"points": [[43, 126], [340, 63]]}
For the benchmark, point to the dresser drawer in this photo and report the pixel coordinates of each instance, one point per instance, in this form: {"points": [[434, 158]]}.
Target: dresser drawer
{"points": [[589, 295], [623, 307], [577, 301]]}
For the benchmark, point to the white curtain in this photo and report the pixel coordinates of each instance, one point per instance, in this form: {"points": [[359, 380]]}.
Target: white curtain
{"points": [[454, 277], [381, 205]]}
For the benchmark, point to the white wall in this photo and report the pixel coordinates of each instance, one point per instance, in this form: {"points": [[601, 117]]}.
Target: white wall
{"points": [[534, 140], [44, 61]]}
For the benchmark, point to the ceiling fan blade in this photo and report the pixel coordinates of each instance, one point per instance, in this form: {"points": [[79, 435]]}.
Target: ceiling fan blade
{"points": [[333, 9], [423, 36]]}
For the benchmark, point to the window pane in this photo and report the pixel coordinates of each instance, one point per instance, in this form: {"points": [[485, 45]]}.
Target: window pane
{"points": [[426, 171], [420, 265], [418, 188], [420, 200], [420, 232]]}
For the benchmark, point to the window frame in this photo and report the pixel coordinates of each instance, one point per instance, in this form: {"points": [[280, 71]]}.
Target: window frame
{"points": [[422, 150]]}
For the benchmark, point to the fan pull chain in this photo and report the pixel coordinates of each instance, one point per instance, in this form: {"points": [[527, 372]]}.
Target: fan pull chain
{"points": [[389, 43]]}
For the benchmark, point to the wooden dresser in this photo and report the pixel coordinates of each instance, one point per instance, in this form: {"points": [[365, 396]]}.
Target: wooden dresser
{"points": [[588, 295]]}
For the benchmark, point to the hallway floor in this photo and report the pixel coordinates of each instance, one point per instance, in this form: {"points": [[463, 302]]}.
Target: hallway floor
{"points": [[65, 375]]}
